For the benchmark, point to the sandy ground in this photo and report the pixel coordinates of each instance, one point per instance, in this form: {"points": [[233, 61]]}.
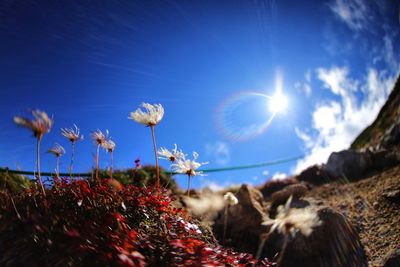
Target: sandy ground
{"points": [[366, 205]]}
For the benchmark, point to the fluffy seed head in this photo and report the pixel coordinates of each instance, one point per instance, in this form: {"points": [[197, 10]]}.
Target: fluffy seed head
{"points": [[171, 156], [99, 138], [40, 125], [57, 150], [187, 166], [293, 220], [230, 199], [150, 117], [72, 134], [109, 145]]}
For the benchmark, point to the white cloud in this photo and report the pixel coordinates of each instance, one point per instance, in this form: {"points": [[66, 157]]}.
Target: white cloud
{"points": [[219, 152], [353, 12], [335, 124], [279, 176], [306, 86]]}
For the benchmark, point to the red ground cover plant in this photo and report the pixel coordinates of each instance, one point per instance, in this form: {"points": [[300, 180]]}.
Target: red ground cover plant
{"points": [[82, 223]]}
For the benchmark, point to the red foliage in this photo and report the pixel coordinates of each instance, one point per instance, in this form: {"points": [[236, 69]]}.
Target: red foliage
{"points": [[87, 224]]}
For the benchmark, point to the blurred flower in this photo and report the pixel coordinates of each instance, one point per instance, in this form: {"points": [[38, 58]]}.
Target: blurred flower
{"points": [[171, 156], [187, 166], [99, 138], [72, 134], [57, 150], [151, 117], [231, 199], [137, 163], [109, 145], [40, 125], [291, 220]]}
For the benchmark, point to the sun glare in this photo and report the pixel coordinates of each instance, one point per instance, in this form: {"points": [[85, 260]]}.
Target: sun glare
{"points": [[278, 103]]}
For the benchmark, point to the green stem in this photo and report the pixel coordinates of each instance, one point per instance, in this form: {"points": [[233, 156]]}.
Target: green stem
{"points": [[225, 224], [112, 163]]}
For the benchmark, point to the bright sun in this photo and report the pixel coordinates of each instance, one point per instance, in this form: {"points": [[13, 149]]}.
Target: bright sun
{"points": [[278, 103]]}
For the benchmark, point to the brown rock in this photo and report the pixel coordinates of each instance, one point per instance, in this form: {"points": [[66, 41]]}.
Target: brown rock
{"points": [[315, 175], [335, 243], [244, 221]]}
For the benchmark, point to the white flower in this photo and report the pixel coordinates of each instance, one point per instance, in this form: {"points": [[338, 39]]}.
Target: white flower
{"points": [[187, 166], [99, 138], [171, 156], [57, 150], [72, 134], [40, 125], [151, 117], [109, 145], [291, 220], [231, 199]]}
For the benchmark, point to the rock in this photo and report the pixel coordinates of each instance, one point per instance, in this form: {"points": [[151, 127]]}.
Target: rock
{"points": [[392, 196], [244, 221], [297, 191], [348, 164], [315, 175], [273, 186], [335, 243], [393, 259]]}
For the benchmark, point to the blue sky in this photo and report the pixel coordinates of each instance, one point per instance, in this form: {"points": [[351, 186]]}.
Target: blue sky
{"points": [[93, 63]]}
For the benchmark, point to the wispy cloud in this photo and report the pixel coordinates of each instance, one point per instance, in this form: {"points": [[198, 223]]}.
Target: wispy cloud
{"points": [[218, 152], [353, 12], [306, 85], [335, 124], [279, 176]]}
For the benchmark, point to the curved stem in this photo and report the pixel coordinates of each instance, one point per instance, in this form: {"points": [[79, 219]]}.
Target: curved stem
{"points": [[155, 155], [38, 165], [72, 159]]}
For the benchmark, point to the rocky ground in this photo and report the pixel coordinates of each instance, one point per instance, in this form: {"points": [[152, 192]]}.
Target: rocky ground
{"points": [[372, 205]]}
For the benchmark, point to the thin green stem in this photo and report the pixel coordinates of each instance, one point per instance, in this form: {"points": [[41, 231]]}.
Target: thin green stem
{"points": [[58, 167], [155, 155], [285, 243]]}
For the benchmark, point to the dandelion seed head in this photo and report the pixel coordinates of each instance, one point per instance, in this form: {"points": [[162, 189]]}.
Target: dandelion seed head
{"points": [[188, 166], [109, 145], [57, 150], [231, 199], [171, 156], [150, 117], [99, 138], [72, 134], [40, 125], [292, 220]]}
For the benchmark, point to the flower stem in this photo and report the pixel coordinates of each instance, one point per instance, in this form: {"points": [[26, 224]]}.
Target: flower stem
{"points": [[58, 167], [155, 155], [188, 190], [97, 162], [72, 159], [225, 224], [111, 167], [261, 245], [285, 243], [39, 139]]}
